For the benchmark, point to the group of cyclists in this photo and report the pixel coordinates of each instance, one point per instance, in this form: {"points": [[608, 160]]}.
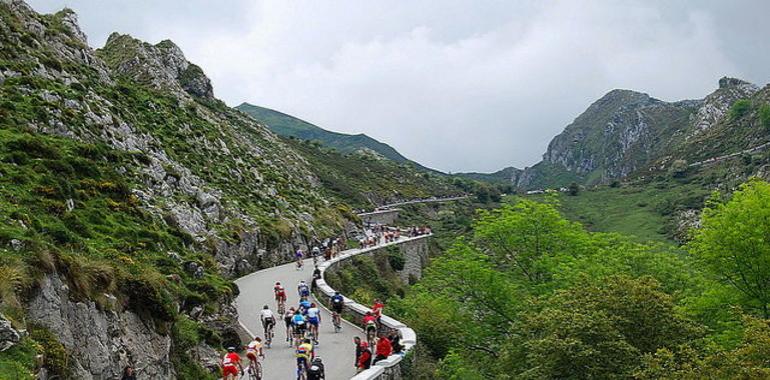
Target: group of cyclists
{"points": [[302, 323], [325, 250]]}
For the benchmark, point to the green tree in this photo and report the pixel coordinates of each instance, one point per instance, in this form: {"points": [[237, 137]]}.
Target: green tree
{"points": [[602, 329], [740, 108], [734, 244], [764, 116], [518, 235]]}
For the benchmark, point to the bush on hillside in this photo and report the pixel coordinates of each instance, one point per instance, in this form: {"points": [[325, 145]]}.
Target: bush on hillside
{"points": [[740, 108]]}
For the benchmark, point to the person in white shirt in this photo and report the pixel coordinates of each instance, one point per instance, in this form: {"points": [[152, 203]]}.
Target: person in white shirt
{"points": [[268, 318], [314, 319]]}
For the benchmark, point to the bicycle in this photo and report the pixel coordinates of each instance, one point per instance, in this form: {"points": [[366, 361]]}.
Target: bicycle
{"points": [[281, 305], [300, 265], [336, 321], [255, 370], [269, 334], [301, 375]]}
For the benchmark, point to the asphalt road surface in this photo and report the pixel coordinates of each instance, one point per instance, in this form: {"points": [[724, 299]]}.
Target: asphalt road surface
{"points": [[336, 349]]}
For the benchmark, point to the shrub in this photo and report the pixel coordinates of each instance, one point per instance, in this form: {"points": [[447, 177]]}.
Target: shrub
{"points": [[740, 108], [396, 259], [149, 297], [764, 116], [678, 168], [185, 333], [55, 356]]}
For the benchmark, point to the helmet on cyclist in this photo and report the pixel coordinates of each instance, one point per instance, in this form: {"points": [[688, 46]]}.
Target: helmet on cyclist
{"points": [[258, 339], [307, 341], [278, 283], [364, 344], [336, 293], [230, 349], [265, 307], [312, 304], [368, 313]]}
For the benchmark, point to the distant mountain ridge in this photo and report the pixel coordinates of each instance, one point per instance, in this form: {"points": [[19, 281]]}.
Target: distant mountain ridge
{"points": [[628, 132], [290, 126]]}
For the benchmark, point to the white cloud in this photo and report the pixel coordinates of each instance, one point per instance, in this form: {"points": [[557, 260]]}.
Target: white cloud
{"points": [[457, 85]]}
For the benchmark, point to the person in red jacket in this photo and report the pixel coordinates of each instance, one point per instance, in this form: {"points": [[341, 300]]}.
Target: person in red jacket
{"points": [[365, 360], [377, 310], [384, 348]]}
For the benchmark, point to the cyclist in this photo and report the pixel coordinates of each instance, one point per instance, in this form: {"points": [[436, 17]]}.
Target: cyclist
{"points": [[337, 302], [314, 319], [303, 289], [304, 305], [280, 295], [316, 370], [299, 325], [230, 364], [370, 326], [298, 257], [288, 318], [304, 354], [315, 252], [268, 321], [254, 352]]}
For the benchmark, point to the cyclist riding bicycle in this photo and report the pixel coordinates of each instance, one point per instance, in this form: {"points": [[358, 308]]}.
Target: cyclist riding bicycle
{"points": [[304, 353], [314, 319], [254, 351], [315, 252], [268, 319], [230, 364], [303, 289], [280, 292], [299, 325], [338, 302], [370, 325], [304, 305], [287, 319], [316, 370]]}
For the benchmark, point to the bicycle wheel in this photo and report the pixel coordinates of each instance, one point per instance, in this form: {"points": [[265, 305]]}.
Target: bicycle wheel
{"points": [[253, 372], [259, 371]]}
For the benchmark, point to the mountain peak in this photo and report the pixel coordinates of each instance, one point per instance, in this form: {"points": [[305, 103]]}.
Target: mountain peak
{"points": [[162, 65], [728, 82]]}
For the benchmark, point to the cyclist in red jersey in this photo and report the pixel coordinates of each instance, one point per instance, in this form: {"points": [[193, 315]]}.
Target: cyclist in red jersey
{"points": [[230, 364]]}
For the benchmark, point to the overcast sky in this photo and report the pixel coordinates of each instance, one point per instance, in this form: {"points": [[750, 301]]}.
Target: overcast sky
{"points": [[456, 85]]}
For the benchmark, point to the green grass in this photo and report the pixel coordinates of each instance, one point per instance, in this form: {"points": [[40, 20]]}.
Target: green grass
{"points": [[362, 181], [290, 126], [18, 362], [646, 209]]}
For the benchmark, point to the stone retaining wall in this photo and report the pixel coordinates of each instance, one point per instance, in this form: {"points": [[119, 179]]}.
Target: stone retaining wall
{"points": [[391, 368], [387, 217]]}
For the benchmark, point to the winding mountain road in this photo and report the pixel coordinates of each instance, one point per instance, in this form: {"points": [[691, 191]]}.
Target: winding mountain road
{"points": [[336, 349]]}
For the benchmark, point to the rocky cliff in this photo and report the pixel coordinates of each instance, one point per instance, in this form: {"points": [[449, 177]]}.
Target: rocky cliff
{"points": [[626, 132], [130, 195]]}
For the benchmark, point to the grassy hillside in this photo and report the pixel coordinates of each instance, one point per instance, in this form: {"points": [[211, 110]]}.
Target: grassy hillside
{"points": [[504, 176], [364, 180], [290, 126]]}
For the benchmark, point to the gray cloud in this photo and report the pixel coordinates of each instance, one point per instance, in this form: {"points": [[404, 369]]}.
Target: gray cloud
{"points": [[456, 85]]}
